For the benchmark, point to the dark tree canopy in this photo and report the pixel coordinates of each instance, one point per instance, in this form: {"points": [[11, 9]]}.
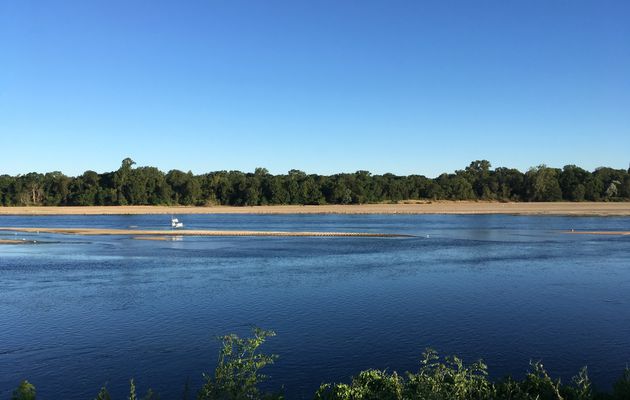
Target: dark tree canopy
{"points": [[132, 185]]}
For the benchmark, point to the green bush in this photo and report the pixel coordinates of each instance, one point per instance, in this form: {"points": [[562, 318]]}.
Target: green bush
{"points": [[621, 388], [26, 391], [451, 379], [237, 377]]}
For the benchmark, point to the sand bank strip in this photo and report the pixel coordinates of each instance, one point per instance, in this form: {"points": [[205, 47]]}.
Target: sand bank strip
{"points": [[11, 241], [615, 233], [137, 232], [164, 238], [407, 207]]}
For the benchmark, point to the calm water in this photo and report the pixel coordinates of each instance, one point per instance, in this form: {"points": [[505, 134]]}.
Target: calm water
{"points": [[80, 312]]}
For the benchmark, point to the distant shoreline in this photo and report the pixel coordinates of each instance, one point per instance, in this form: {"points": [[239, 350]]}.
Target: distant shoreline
{"points": [[419, 207]]}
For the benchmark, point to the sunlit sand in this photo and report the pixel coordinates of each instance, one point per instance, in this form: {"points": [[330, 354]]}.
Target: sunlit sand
{"points": [[152, 234], [408, 207], [11, 241], [614, 233]]}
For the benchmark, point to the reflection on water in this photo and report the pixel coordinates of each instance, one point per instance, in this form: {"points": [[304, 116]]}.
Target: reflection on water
{"points": [[82, 311]]}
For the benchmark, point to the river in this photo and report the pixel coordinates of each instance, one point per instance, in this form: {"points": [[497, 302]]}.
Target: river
{"points": [[79, 312]]}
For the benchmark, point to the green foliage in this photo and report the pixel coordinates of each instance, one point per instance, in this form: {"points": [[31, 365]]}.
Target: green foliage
{"points": [[132, 391], [451, 379], [150, 186], [237, 375], [26, 391], [543, 184], [572, 180], [103, 394], [621, 388], [371, 384]]}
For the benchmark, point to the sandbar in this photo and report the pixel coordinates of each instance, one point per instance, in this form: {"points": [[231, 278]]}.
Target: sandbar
{"points": [[11, 241], [616, 233], [406, 207], [165, 238], [192, 232]]}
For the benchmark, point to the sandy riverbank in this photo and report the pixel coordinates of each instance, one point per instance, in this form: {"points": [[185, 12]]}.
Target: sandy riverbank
{"points": [[193, 232], [613, 233], [440, 207], [11, 241]]}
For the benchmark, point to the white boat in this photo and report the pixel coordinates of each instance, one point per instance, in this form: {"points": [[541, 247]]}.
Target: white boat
{"points": [[176, 224]]}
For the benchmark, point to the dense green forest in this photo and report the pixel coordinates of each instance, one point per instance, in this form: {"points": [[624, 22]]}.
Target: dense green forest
{"points": [[238, 376], [131, 185]]}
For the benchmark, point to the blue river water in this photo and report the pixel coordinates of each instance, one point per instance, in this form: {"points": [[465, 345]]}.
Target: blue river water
{"points": [[79, 312]]}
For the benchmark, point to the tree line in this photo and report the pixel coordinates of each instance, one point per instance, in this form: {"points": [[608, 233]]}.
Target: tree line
{"points": [[131, 185]]}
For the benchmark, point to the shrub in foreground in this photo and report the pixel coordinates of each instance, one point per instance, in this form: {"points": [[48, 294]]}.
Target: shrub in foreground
{"points": [[237, 377], [450, 379]]}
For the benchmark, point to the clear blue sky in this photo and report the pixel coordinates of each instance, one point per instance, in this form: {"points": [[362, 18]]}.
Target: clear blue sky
{"points": [[321, 86]]}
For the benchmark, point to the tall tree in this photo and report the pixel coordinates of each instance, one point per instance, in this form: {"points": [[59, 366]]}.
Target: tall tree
{"points": [[543, 184]]}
